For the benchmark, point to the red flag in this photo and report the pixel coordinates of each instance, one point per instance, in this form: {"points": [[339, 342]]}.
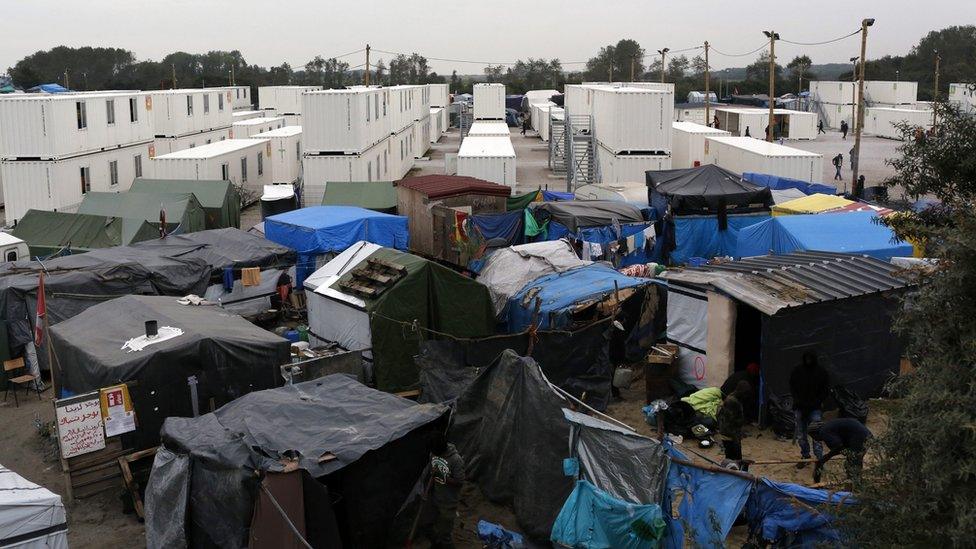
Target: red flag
{"points": [[41, 311]]}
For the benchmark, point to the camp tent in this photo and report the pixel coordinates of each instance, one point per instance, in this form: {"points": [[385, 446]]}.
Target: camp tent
{"points": [[849, 232], [372, 195], [371, 298], [508, 270], [357, 453], [183, 212], [597, 226], [702, 210], [219, 199], [320, 230], [49, 232], [811, 204], [107, 345], [31, 516], [222, 248]]}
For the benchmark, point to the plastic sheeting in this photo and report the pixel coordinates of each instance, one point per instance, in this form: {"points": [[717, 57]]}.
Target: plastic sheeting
{"points": [[246, 300], [508, 226], [167, 496], [593, 519], [379, 442], [776, 182], [561, 294], [222, 248], [794, 516], [639, 237], [31, 516], [853, 232], [508, 270], [688, 328], [706, 190], [508, 426], [577, 214], [577, 362], [811, 204], [701, 237]]}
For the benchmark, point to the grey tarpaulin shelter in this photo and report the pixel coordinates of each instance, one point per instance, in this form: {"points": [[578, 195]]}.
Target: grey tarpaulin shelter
{"points": [[227, 355], [507, 270], [363, 448], [222, 248]]}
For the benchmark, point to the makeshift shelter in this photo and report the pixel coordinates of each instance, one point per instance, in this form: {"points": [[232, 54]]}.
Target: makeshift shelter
{"points": [[219, 199], [47, 232], [183, 213], [386, 301], [602, 229], [778, 183], [31, 516], [372, 195], [703, 210], [811, 204], [562, 299], [199, 351], [508, 270], [849, 232], [772, 309], [437, 206], [341, 459], [325, 230], [222, 249]]}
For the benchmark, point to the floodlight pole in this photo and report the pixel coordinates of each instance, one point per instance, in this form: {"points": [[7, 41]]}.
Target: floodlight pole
{"points": [[367, 66], [772, 82], [664, 54], [856, 161], [935, 90], [708, 103]]}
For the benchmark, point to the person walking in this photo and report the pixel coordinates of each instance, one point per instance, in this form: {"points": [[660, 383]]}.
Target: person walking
{"points": [[838, 163], [747, 132], [809, 386], [820, 129], [731, 418], [715, 123], [447, 477], [526, 123], [859, 187], [843, 129], [842, 435]]}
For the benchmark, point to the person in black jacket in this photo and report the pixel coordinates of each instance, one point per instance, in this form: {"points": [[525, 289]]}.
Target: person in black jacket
{"points": [[842, 435], [809, 386], [731, 420]]}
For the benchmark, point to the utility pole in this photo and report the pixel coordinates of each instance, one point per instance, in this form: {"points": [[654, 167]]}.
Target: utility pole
{"points": [[664, 54], [633, 61], [708, 101], [935, 90], [233, 78], [773, 37], [860, 104], [367, 65], [173, 68], [66, 79], [854, 93]]}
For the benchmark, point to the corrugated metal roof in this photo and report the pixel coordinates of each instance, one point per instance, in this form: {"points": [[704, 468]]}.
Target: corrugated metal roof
{"points": [[776, 282], [443, 186]]}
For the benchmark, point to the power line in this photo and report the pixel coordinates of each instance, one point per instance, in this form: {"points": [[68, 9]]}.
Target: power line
{"points": [[712, 48], [822, 43]]}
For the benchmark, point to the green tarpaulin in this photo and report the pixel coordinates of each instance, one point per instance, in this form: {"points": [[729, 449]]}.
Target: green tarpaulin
{"points": [[522, 201], [183, 212], [48, 232], [434, 296], [372, 195], [220, 202]]}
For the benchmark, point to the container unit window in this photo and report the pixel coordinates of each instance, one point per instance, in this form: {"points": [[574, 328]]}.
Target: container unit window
{"points": [[189, 105], [110, 111], [225, 171], [85, 180], [81, 114], [220, 102], [298, 151], [244, 169], [137, 163], [133, 110], [260, 163], [113, 173], [206, 103], [367, 109]]}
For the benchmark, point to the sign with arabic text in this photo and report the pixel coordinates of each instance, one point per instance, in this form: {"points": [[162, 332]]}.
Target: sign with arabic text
{"points": [[79, 420]]}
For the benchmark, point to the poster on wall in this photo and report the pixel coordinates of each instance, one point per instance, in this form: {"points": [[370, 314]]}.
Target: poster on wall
{"points": [[116, 408], [79, 420]]}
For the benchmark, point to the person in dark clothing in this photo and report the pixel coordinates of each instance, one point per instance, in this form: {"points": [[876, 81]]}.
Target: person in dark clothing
{"points": [[751, 376], [526, 123], [731, 419], [715, 123], [843, 435], [447, 477], [843, 129], [766, 133], [820, 129], [838, 163], [747, 132], [809, 386], [859, 188]]}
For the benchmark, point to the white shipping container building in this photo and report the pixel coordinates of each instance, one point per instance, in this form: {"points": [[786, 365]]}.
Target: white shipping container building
{"points": [[378, 163], [283, 99], [437, 126], [746, 154], [400, 147], [660, 86], [286, 153], [890, 93], [239, 97], [634, 120], [166, 145], [688, 143], [345, 121], [833, 114], [406, 103], [578, 99], [439, 95], [51, 126], [254, 126], [628, 168], [489, 128], [798, 124], [489, 102], [824, 91], [684, 112], [488, 158], [181, 112], [536, 116], [963, 96], [241, 161], [61, 184], [237, 116], [421, 136], [881, 121]]}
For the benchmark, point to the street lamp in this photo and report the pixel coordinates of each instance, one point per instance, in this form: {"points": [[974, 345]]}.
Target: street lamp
{"points": [[865, 23], [664, 54], [773, 37]]}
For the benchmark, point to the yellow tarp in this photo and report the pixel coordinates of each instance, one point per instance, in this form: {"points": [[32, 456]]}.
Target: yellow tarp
{"points": [[815, 203]]}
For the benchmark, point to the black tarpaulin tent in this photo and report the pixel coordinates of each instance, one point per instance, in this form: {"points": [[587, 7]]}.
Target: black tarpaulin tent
{"points": [[222, 248], [219, 199], [577, 214], [705, 190], [366, 447], [228, 356]]}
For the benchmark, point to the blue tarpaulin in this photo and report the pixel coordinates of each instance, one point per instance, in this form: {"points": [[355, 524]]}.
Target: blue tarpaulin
{"points": [[331, 229], [794, 515], [556, 196], [593, 519], [560, 292], [639, 252], [508, 225], [776, 182], [49, 88], [700, 237], [848, 232]]}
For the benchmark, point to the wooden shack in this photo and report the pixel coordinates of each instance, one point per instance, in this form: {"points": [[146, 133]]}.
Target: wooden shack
{"points": [[432, 203]]}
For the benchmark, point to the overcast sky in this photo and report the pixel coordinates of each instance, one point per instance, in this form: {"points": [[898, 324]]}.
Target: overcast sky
{"points": [[269, 32]]}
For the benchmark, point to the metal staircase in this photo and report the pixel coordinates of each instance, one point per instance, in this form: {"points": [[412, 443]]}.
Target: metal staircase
{"points": [[580, 147], [557, 151], [465, 119]]}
